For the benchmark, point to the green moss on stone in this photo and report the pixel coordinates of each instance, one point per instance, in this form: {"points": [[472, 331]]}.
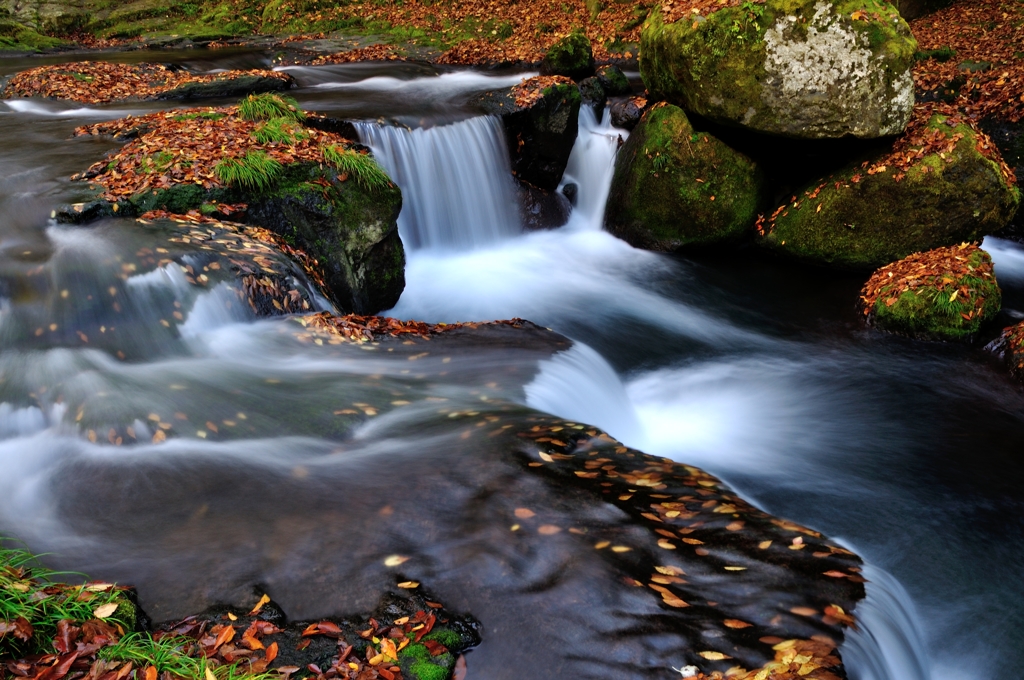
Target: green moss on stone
{"points": [[938, 309], [571, 56], [676, 187], [718, 66], [879, 219]]}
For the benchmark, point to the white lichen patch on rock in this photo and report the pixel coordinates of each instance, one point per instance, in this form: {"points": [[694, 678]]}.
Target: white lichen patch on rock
{"points": [[825, 81]]}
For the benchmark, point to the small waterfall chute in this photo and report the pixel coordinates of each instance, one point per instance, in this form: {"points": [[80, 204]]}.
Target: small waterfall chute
{"points": [[456, 181], [591, 166], [887, 644]]}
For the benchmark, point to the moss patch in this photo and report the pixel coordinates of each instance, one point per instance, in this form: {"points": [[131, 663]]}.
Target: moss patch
{"points": [[870, 214], [571, 56], [677, 187], [759, 65], [943, 294]]}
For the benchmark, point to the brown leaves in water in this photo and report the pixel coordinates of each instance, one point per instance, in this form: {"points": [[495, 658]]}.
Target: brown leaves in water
{"points": [[98, 82]]}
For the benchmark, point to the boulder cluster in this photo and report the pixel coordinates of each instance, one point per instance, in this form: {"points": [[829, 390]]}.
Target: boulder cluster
{"points": [[793, 124]]}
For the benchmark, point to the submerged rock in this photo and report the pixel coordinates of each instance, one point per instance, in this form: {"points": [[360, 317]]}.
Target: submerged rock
{"points": [[676, 187], [942, 183], [541, 118], [810, 68], [572, 56], [942, 294]]}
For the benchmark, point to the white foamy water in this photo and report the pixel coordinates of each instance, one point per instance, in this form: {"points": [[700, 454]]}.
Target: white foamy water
{"points": [[449, 86], [457, 189], [50, 109]]}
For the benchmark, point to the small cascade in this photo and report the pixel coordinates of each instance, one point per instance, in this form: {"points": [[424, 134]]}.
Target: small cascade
{"points": [[591, 166], [456, 181], [887, 644]]}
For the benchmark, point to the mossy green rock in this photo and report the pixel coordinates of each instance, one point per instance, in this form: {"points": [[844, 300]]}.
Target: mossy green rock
{"points": [[859, 220], [921, 298], [798, 68], [676, 187], [351, 230], [571, 56]]}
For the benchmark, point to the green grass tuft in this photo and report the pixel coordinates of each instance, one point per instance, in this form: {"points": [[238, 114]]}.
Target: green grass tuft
{"points": [[268, 105], [361, 167], [30, 591], [255, 170], [280, 131]]}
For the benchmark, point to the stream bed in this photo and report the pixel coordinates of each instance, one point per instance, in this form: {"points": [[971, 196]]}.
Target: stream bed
{"points": [[757, 370]]}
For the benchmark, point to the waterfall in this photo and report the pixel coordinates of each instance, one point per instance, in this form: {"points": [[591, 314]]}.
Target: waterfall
{"points": [[456, 181], [591, 166], [887, 643]]}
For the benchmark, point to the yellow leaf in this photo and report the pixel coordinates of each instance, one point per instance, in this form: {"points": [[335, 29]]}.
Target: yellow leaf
{"points": [[105, 610], [395, 560], [209, 674], [259, 605], [408, 585], [715, 656]]}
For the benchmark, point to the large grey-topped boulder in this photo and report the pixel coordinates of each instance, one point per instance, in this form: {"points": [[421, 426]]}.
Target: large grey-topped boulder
{"points": [[798, 68]]}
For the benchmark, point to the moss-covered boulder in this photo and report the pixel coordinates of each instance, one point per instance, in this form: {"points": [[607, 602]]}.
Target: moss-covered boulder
{"points": [[942, 183], [943, 294], [676, 187], [571, 56], [541, 119], [799, 68]]}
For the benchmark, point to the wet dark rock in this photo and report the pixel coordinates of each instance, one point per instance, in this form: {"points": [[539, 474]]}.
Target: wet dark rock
{"points": [[1009, 138], [592, 90], [626, 111], [299, 647], [540, 134], [912, 9], [570, 191], [571, 56], [613, 80], [229, 87], [541, 209], [351, 231]]}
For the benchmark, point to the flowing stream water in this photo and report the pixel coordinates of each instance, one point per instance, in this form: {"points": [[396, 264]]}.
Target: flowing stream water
{"points": [[757, 370]]}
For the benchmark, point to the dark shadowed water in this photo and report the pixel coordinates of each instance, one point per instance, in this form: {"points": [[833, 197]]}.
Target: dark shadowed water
{"points": [[757, 370]]}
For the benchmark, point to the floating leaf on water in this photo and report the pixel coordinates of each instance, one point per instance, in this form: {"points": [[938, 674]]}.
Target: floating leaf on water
{"points": [[395, 560], [715, 656], [736, 623], [408, 585]]}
